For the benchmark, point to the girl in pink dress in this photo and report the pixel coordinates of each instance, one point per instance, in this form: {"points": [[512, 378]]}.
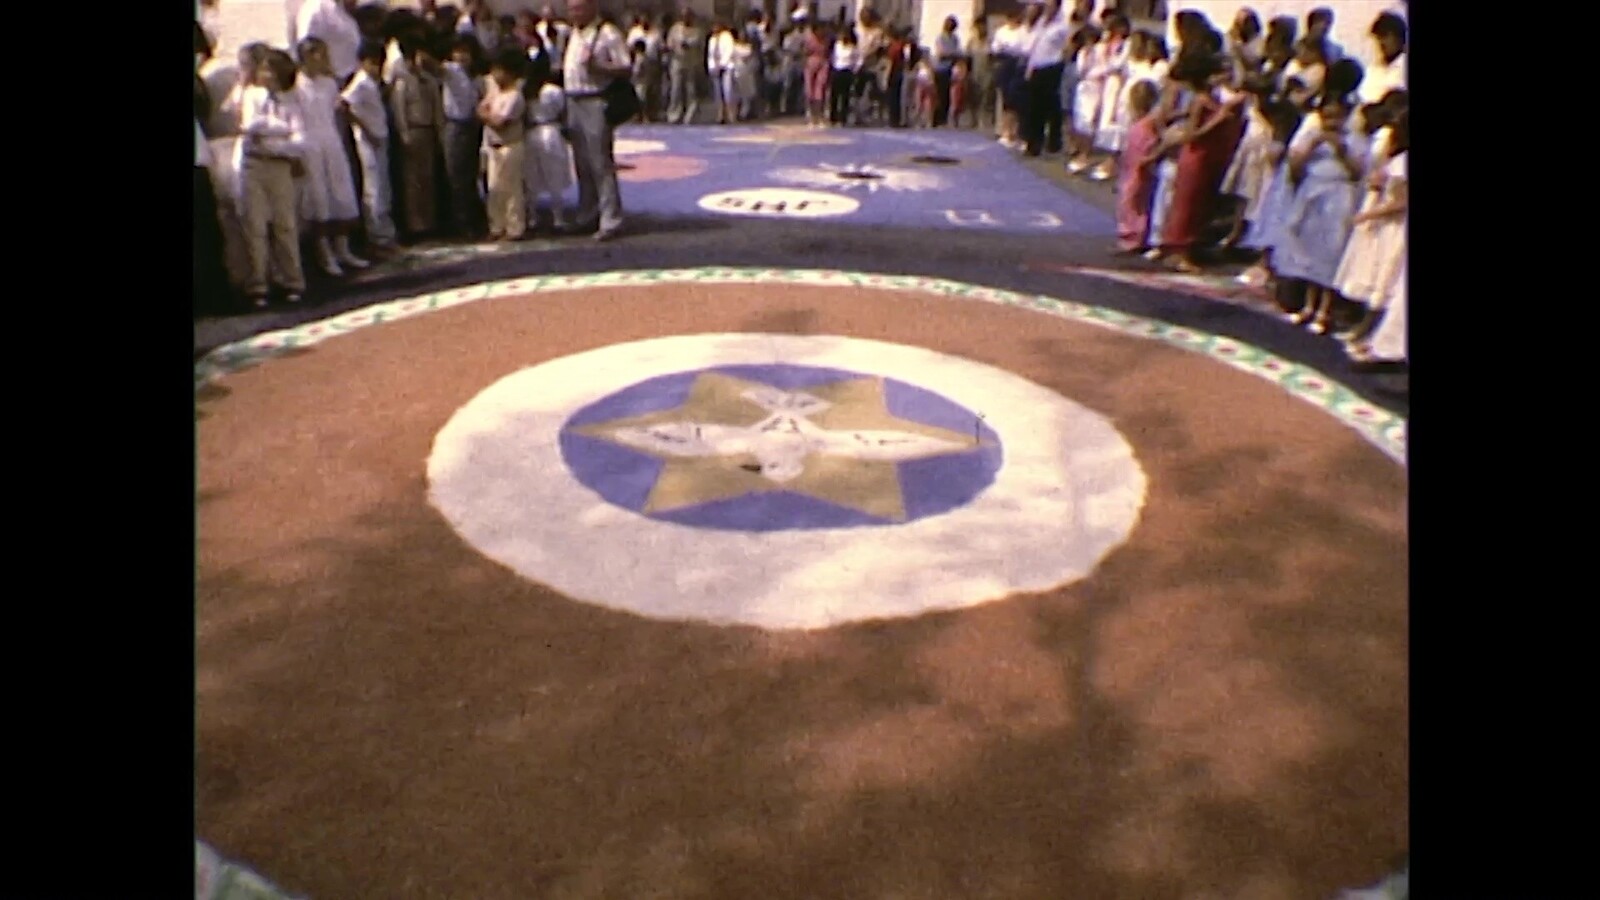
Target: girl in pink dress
{"points": [[1210, 139], [1136, 182], [819, 66]]}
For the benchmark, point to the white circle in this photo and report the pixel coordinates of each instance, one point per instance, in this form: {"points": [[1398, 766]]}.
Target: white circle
{"points": [[634, 147], [1068, 492], [780, 203]]}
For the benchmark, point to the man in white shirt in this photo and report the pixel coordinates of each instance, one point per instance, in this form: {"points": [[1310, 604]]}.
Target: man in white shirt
{"points": [[595, 56], [1041, 120], [332, 22], [1388, 71], [686, 61]]}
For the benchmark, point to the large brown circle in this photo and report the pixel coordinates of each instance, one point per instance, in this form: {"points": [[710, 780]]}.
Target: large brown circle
{"points": [[1219, 711]]}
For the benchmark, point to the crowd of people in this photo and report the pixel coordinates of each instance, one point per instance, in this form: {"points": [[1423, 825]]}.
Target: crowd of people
{"points": [[1262, 141], [398, 126]]}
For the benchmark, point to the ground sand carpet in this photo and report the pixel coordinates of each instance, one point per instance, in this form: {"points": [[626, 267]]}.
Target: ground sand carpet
{"points": [[1218, 711]]}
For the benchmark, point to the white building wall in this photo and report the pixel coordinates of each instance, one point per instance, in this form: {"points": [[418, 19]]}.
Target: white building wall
{"points": [[934, 12]]}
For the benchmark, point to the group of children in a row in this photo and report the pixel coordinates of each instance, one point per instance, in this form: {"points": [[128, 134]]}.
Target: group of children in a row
{"points": [[1264, 146], [310, 155]]}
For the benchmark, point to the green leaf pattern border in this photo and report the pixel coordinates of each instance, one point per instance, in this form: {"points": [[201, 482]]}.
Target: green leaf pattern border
{"points": [[1383, 428]]}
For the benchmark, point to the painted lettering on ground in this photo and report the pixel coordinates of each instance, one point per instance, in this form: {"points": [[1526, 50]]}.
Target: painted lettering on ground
{"points": [[780, 203], [982, 218]]}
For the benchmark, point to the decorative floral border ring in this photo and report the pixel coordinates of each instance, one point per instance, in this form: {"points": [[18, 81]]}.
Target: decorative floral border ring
{"points": [[1381, 427]]}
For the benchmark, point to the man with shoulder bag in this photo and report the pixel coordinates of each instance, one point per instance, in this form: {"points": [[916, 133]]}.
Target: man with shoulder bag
{"points": [[596, 69]]}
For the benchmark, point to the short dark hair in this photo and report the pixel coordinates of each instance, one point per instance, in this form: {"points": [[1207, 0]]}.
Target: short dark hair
{"points": [[399, 23], [539, 72], [308, 44], [1250, 23], [283, 67], [372, 51], [511, 59], [1389, 25], [1343, 77], [1195, 69], [1400, 135], [1321, 14], [1284, 117], [414, 42]]}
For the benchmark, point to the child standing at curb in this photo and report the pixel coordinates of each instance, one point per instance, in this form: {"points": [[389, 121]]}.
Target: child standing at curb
{"points": [[502, 113], [463, 133], [547, 161], [329, 194], [272, 132], [363, 98], [1136, 182], [419, 124]]}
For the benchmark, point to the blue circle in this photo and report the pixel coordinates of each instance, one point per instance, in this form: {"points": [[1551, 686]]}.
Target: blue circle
{"points": [[625, 477]]}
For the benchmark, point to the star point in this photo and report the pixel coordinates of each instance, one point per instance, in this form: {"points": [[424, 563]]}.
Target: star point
{"points": [[837, 442]]}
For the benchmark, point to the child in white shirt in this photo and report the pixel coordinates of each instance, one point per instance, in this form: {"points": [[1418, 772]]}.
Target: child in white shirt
{"points": [[328, 195], [503, 112], [363, 100], [272, 137]]}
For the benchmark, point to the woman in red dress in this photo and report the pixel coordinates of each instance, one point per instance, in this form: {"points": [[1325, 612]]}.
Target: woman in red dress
{"points": [[1213, 132]]}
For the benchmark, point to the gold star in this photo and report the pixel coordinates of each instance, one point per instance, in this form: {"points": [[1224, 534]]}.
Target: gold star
{"points": [[837, 442]]}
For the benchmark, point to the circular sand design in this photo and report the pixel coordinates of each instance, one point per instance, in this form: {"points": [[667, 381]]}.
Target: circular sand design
{"points": [[796, 135], [1219, 709], [636, 147], [1068, 492], [660, 167]]}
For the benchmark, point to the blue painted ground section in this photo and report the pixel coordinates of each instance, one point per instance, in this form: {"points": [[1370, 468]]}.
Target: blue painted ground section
{"points": [[988, 189]]}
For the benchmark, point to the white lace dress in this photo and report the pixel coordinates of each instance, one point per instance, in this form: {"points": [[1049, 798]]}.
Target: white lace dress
{"points": [[547, 162]]}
